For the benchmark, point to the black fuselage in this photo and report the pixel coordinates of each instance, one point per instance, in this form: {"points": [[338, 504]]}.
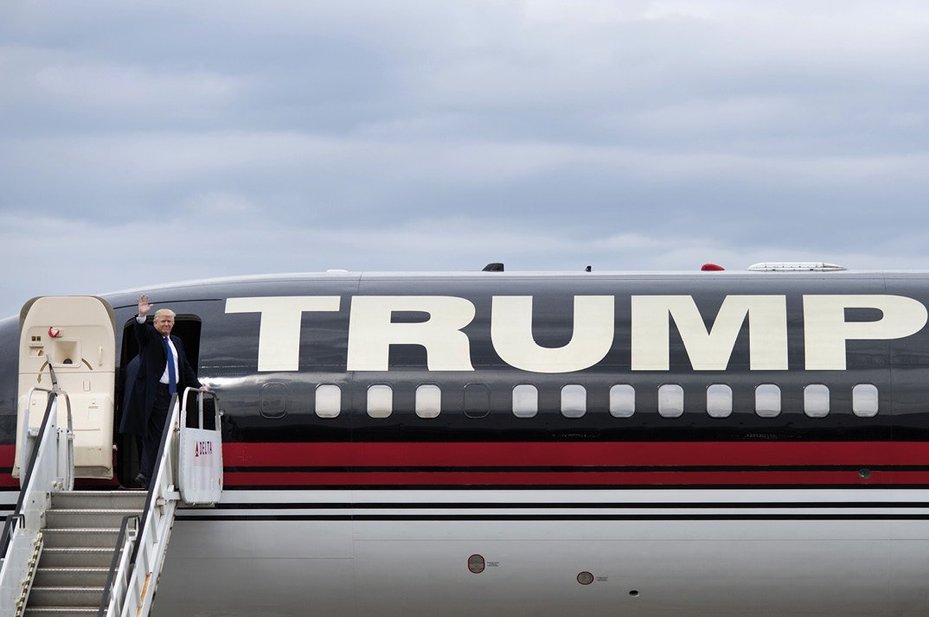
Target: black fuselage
{"points": [[475, 401]]}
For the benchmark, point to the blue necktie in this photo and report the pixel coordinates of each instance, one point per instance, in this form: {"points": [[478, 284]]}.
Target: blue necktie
{"points": [[172, 378]]}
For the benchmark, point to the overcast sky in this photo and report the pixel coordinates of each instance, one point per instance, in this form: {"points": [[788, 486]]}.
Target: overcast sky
{"points": [[148, 142]]}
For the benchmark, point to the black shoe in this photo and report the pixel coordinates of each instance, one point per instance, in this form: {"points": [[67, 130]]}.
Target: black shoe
{"points": [[141, 481]]}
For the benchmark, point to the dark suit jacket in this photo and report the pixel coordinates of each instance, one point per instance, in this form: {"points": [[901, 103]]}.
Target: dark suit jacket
{"points": [[140, 387]]}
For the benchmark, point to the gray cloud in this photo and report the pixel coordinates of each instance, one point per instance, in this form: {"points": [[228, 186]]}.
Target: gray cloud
{"points": [[292, 135]]}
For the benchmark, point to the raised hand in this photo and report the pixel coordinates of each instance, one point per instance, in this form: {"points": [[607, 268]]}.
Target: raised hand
{"points": [[144, 305]]}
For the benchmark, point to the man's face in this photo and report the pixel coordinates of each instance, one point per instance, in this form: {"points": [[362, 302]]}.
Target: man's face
{"points": [[163, 324]]}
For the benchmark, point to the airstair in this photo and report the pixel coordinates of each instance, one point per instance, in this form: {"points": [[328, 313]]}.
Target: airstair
{"points": [[85, 532], [71, 552]]}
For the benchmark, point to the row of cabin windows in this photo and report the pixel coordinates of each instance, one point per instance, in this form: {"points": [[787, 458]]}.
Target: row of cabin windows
{"points": [[622, 401]]}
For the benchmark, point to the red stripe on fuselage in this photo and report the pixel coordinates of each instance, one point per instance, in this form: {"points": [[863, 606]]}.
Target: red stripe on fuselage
{"points": [[498, 464], [575, 454], [541, 464]]}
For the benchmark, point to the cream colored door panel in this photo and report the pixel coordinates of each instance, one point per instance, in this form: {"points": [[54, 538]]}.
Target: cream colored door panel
{"points": [[76, 336]]}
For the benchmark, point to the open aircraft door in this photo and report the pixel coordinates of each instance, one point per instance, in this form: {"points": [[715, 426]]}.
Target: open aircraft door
{"points": [[76, 335]]}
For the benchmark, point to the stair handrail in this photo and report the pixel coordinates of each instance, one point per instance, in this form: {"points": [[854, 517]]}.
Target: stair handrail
{"points": [[136, 578], [33, 459], [131, 584], [43, 474], [9, 526], [114, 589]]}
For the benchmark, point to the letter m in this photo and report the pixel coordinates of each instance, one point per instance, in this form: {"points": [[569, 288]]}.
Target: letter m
{"points": [[709, 349]]}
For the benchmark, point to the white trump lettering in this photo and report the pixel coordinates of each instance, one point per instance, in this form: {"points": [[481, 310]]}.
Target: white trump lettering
{"points": [[709, 350], [279, 332], [825, 330], [591, 339], [371, 331]]}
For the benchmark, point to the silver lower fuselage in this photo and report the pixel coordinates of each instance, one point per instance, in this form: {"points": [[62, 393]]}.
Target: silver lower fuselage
{"points": [[643, 553]]}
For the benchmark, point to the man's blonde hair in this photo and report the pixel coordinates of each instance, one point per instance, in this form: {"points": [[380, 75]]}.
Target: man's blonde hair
{"points": [[164, 312]]}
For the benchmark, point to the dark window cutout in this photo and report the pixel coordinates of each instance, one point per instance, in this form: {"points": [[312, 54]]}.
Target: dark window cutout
{"points": [[476, 400], [273, 401]]}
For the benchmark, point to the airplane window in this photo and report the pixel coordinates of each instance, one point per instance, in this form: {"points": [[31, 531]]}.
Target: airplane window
{"points": [[816, 401], [328, 400], [670, 401], [273, 400], [428, 401], [380, 401], [719, 400], [864, 400], [573, 401], [525, 401], [622, 401], [476, 400], [768, 400]]}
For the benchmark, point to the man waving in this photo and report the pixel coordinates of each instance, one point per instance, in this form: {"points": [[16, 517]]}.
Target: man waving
{"points": [[163, 372]]}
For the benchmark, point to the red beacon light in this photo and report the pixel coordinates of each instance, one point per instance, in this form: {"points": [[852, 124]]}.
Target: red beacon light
{"points": [[711, 268]]}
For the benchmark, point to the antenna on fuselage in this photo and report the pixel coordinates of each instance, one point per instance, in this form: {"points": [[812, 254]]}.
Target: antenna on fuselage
{"points": [[494, 266]]}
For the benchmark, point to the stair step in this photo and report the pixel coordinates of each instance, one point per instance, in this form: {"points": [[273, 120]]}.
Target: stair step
{"points": [[87, 519], [79, 537], [75, 597], [70, 557], [113, 500], [60, 611], [70, 577]]}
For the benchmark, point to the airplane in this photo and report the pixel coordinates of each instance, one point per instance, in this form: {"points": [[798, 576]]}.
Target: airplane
{"points": [[723, 443]]}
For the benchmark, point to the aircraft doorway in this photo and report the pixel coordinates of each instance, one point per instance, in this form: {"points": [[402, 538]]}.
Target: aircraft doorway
{"points": [[187, 327]]}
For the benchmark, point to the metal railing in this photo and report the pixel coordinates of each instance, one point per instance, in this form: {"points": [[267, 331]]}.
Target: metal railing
{"points": [[132, 585], [9, 528], [142, 542], [132, 581], [50, 452], [117, 582]]}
